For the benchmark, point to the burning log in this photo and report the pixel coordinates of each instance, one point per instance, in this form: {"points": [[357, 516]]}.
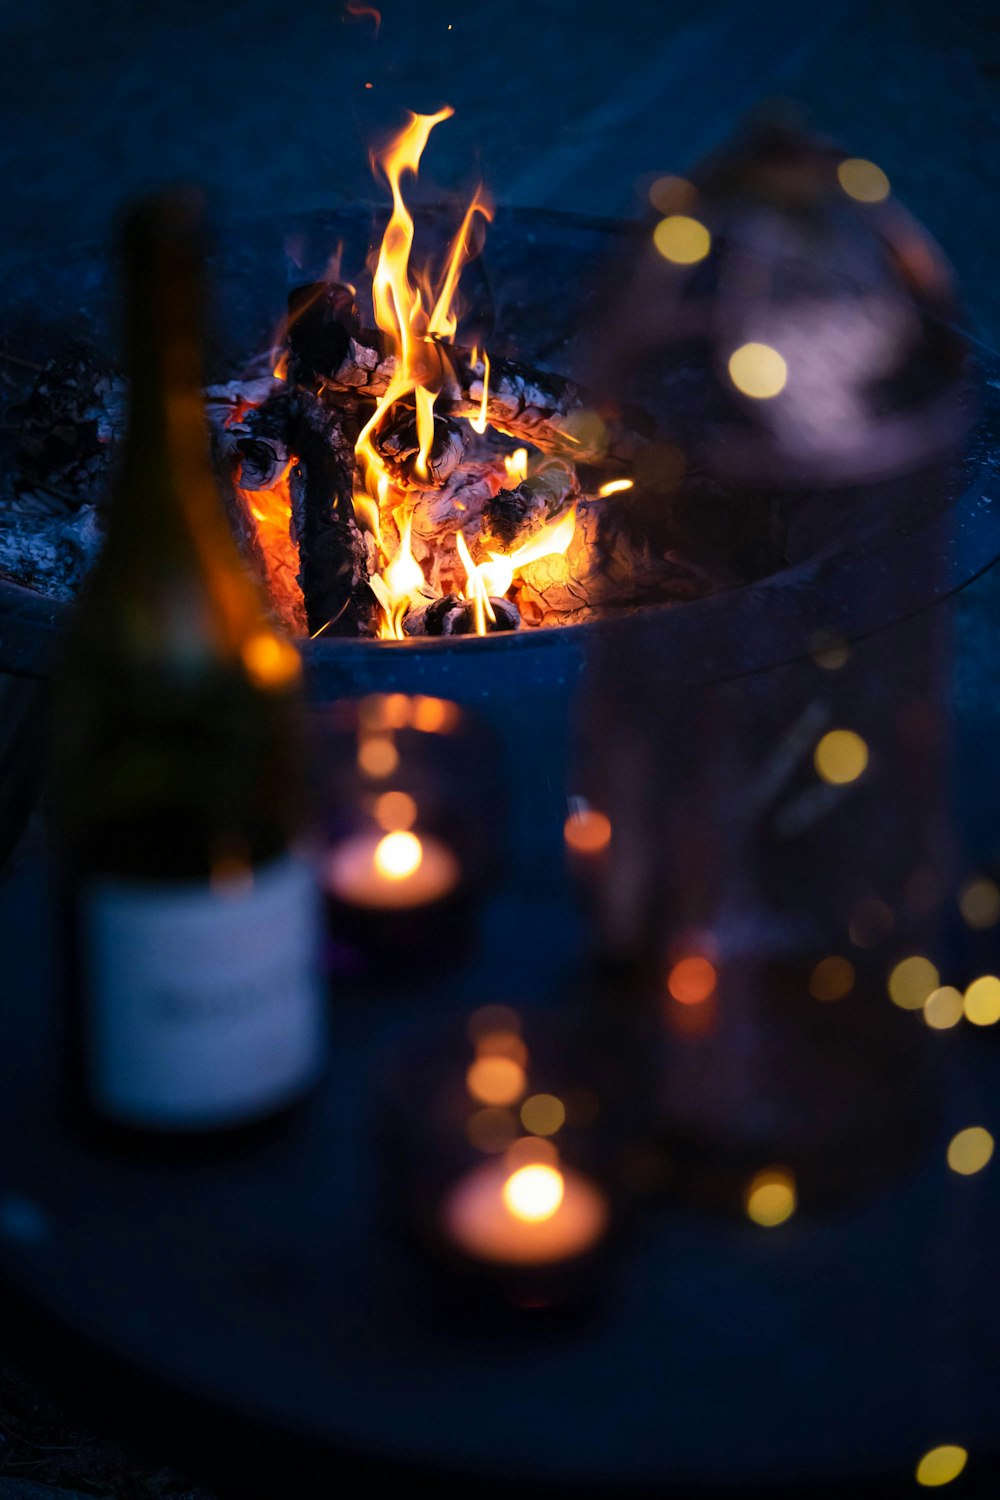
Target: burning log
{"points": [[531, 405], [454, 616], [257, 443], [399, 448], [335, 558], [512, 516]]}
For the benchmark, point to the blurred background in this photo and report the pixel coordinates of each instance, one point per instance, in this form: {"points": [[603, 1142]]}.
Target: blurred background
{"points": [[567, 105]]}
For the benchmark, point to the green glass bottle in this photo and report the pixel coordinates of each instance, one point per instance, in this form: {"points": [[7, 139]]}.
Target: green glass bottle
{"points": [[178, 765]]}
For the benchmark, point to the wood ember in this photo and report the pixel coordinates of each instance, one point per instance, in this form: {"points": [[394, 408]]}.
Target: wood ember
{"points": [[454, 616], [335, 556], [438, 514], [399, 448], [534, 406]]}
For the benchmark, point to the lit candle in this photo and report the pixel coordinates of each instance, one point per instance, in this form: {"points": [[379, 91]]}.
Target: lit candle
{"points": [[391, 871], [534, 1215]]}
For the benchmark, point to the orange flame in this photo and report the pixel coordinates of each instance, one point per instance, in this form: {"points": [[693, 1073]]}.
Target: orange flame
{"points": [[496, 576], [478, 422], [516, 465], [414, 314]]}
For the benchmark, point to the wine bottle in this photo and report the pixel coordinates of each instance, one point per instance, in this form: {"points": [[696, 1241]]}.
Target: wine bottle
{"points": [[178, 766]]}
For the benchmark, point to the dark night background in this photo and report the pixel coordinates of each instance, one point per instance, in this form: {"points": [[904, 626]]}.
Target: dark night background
{"points": [[561, 104]]}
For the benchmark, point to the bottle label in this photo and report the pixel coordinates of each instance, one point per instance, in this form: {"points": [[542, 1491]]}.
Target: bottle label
{"points": [[205, 1005]]}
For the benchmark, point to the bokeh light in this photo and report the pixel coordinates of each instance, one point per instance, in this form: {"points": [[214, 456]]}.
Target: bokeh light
{"points": [[982, 1001], [941, 1465], [377, 756], [862, 180], [832, 978], [534, 1193], [692, 980], [970, 1150], [758, 371], [682, 240], [770, 1197], [543, 1114], [840, 757], [587, 831], [911, 981], [672, 195], [943, 1008], [395, 810], [495, 1080], [979, 903]]}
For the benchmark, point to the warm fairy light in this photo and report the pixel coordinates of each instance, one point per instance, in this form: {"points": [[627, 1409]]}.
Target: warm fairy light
{"points": [[270, 661], [840, 757], [832, 978], [377, 756], [970, 1150], [534, 1193], [982, 1001], [495, 1080], [587, 831], [943, 1008], [863, 180], [516, 465], [979, 903], [692, 980], [941, 1465], [543, 1114], [478, 422], [770, 1198], [399, 855], [395, 810], [758, 371], [682, 240], [615, 487], [912, 981]]}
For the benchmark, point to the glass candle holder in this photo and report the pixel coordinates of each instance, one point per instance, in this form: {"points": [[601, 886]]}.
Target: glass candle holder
{"points": [[509, 1158], [410, 828]]}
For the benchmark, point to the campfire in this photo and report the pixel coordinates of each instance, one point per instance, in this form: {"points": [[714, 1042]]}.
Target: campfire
{"points": [[388, 478], [392, 482]]}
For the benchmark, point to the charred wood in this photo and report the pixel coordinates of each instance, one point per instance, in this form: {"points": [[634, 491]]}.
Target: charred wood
{"points": [[399, 448], [70, 426], [454, 616], [334, 554], [322, 318], [512, 516], [533, 406], [257, 443]]}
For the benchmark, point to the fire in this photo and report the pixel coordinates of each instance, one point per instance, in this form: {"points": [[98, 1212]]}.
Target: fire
{"points": [[495, 577], [272, 513], [516, 464], [404, 577], [416, 314], [478, 423]]}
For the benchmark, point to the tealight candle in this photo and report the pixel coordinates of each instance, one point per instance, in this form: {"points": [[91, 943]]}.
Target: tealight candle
{"points": [[391, 871], [535, 1215]]}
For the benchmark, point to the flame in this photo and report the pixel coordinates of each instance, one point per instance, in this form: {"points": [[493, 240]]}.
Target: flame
{"points": [[395, 587], [478, 423], [272, 513], [495, 577], [516, 464], [415, 314], [614, 486]]}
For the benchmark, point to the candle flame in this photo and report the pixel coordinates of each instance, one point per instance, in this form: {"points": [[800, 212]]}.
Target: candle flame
{"points": [[399, 855], [534, 1193]]}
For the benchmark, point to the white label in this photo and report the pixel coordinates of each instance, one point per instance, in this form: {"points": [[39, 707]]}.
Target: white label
{"points": [[205, 1006]]}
